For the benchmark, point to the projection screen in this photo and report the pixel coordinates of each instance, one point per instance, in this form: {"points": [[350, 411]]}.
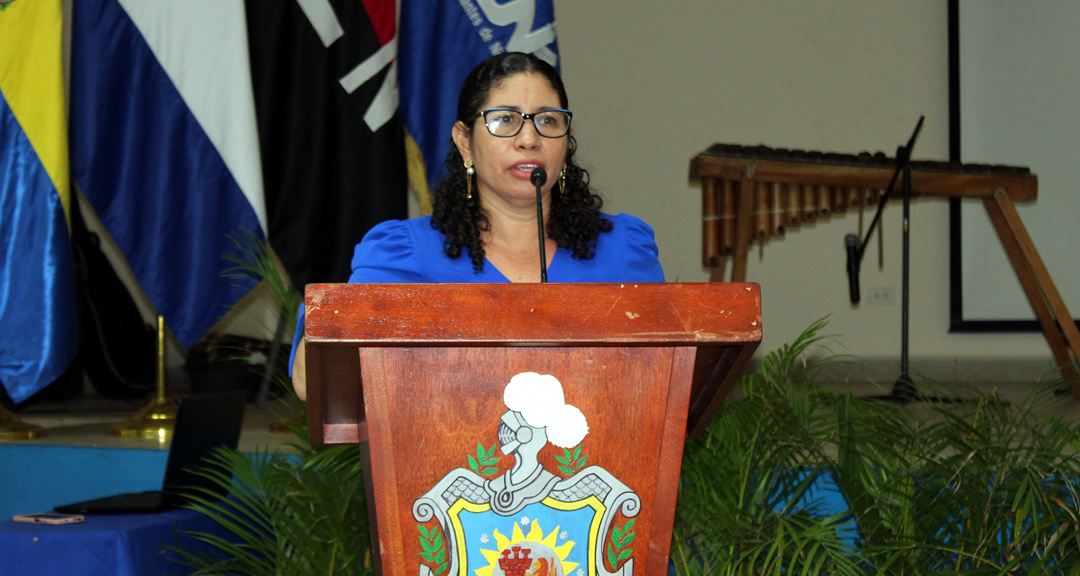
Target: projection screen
{"points": [[1018, 103]]}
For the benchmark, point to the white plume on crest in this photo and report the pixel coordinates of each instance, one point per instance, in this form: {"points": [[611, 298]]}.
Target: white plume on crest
{"points": [[540, 401]]}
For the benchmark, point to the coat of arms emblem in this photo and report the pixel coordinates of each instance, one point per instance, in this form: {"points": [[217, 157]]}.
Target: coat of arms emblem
{"points": [[529, 521]]}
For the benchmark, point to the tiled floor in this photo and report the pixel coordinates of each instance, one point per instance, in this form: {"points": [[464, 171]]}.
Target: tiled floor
{"points": [[83, 423]]}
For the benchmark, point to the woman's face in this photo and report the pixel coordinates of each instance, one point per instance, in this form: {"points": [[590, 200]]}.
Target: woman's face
{"points": [[504, 165]]}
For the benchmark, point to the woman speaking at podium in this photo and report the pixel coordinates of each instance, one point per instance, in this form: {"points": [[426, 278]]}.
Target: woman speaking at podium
{"points": [[513, 134]]}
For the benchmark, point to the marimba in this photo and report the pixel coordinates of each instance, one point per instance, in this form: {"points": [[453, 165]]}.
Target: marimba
{"points": [[756, 192]]}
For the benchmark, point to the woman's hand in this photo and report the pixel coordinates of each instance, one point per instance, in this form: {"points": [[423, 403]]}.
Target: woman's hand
{"points": [[299, 374]]}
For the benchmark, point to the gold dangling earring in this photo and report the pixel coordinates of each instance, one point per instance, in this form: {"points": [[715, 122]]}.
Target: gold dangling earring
{"points": [[469, 171], [562, 183]]}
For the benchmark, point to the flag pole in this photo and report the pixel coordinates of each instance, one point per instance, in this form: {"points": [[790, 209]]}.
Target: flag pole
{"points": [[158, 418]]}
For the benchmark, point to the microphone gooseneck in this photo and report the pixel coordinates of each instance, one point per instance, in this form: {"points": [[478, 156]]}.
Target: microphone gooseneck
{"points": [[853, 258], [538, 177]]}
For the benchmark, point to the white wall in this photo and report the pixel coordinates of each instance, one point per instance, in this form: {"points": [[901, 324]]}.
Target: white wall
{"points": [[654, 83]]}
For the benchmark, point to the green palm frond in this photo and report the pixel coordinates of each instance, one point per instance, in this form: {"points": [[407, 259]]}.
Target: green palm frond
{"points": [[298, 511], [286, 514], [983, 487], [253, 260]]}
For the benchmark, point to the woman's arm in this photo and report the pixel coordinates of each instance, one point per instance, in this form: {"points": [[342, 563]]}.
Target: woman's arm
{"points": [[386, 255], [299, 375]]}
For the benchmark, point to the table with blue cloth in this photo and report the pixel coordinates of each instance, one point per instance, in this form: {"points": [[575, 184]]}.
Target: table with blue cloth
{"points": [[106, 545]]}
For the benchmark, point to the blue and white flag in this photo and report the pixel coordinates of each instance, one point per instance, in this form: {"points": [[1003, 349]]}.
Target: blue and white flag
{"points": [[440, 42], [164, 145]]}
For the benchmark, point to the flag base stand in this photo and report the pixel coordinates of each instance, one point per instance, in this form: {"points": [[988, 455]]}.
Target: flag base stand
{"points": [[11, 428], [158, 419]]}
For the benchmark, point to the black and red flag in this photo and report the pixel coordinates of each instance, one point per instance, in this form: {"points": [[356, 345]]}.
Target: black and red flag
{"points": [[324, 76]]}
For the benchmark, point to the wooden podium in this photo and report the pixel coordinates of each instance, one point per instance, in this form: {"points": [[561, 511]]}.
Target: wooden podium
{"points": [[460, 483]]}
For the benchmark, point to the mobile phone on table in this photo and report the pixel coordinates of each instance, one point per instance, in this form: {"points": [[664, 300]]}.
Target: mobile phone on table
{"points": [[49, 518]]}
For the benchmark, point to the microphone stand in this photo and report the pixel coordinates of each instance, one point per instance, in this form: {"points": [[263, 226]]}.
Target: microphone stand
{"points": [[903, 389], [538, 177]]}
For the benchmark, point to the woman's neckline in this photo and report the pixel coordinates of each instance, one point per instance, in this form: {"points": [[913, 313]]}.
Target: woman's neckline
{"points": [[554, 258]]}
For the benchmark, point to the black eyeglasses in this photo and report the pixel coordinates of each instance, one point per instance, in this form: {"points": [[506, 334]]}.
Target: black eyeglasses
{"points": [[506, 122]]}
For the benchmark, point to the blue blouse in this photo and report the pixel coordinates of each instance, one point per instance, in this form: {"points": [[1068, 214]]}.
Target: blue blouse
{"points": [[411, 251]]}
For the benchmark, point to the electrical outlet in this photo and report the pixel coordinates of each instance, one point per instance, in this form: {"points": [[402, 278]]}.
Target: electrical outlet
{"points": [[881, 296]]}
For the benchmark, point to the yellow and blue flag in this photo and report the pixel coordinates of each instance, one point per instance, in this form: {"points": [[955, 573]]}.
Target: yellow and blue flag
{"points": [[38, 321], [441, 41]]}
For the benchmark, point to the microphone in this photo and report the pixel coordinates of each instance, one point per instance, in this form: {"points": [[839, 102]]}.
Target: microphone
{"points": [[538, 177], [853, 258]]}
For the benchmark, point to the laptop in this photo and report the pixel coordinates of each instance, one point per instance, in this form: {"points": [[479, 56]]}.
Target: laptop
{"points": [[203, 423]]}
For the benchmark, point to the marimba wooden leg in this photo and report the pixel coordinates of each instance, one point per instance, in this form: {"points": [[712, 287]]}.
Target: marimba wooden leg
{"points": [[1057, 325]]}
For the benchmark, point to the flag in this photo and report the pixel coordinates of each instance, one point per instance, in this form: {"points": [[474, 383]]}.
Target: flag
{"points": [[441, 41], [164, 146], [325, 80], [37, 278]]}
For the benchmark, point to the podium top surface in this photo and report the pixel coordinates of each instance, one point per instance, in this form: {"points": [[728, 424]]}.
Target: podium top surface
{"points": [[614, 314]]}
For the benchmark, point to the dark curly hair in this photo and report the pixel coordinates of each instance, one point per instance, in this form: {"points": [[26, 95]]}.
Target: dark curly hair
{"points": [[574, 221]]}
